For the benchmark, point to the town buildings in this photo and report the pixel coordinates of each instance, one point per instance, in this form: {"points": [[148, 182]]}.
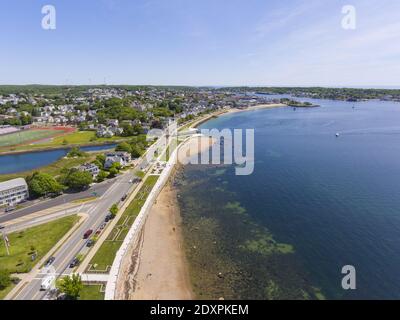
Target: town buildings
{"points": [[13, 192]]}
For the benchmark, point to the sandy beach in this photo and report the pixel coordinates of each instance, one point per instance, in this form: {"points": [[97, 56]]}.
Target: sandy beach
{"points": [[258, 107], [155, 267]]}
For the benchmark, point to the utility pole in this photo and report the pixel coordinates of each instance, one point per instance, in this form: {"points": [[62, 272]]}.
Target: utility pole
{"points": [[6, 242]]}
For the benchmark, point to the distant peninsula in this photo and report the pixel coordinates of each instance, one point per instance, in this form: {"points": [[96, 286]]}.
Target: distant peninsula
{"points": [[298, 104]]}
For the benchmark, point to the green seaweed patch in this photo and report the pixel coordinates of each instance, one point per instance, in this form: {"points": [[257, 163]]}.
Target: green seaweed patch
{"points": [[318, 294], [235, 208], [219, 172], [272, 291], [264, 244]]}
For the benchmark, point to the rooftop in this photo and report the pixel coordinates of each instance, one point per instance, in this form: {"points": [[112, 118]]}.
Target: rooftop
{"points": [[14, 183]]}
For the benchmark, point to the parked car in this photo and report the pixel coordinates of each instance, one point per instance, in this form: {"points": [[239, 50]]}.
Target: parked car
{"points": [[89, 243], [98, 232], [74, 263], [2, 227], [109, 217], [50, 261], [103, 225], [87, 234], [9, 209], [124, 197]]}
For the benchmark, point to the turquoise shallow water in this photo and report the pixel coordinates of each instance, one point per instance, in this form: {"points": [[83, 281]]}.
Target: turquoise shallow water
{"points": [[336, 200]]}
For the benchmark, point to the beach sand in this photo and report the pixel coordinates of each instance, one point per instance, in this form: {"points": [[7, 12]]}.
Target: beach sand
{"points": [[162, 269], [155, 267], [257, 107]]}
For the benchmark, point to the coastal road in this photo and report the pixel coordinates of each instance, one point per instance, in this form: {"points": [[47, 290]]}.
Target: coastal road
{"points": [[75, 243], [99, 189]]}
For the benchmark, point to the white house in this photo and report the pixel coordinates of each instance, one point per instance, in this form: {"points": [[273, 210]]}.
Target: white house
{"points": [[13, 191], [123, 158], [91, 168]]}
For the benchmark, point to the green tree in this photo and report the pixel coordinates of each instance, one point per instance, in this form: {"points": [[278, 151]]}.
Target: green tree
{"points": [[76, 152], [128, 130], [77, 180], [114, 209], [113, 172], [25, 119], [138, 129], [101, 159], [102, 176], [124, 146], [41, 184], [5, 279], [136, 151], [71, 286]]}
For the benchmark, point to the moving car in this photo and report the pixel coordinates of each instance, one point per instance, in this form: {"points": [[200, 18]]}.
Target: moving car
{"points": [[87, 234], [47, 282], [74, 262], [50, 261]]}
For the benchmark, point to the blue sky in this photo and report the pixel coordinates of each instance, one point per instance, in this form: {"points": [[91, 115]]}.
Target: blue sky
{"points": [[201, 42]]}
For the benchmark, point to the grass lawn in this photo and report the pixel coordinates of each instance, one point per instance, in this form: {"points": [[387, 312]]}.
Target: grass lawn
{"points": [[25, 136], [84, 200], [40, 238], [104, 257], [79, 137], [91, 292], [54, 169], [4, 292]]}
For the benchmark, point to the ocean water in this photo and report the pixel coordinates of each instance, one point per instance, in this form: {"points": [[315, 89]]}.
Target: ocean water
{"points": [[333, 201]]}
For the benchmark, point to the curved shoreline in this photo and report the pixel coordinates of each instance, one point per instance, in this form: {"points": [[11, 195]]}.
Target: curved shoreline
{"points": [[217, 114]]}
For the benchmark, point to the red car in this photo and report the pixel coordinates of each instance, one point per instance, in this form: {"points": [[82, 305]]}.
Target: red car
{"points": [[87, 234]]}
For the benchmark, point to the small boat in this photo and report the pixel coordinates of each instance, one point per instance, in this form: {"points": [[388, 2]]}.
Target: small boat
{"points": [[337, 134]]}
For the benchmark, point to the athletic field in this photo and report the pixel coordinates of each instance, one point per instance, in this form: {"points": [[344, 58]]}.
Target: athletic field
{"points": [[25, 136]]}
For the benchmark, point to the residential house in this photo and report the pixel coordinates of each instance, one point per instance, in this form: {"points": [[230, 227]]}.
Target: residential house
{"points": [[123, 158], [91, 168]]}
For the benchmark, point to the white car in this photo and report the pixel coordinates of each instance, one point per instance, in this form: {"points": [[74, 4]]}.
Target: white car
{"points": [[47, 283]]}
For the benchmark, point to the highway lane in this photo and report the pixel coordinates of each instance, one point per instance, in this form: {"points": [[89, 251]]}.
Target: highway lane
{"points": [[99, 189], [76, 243]]}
